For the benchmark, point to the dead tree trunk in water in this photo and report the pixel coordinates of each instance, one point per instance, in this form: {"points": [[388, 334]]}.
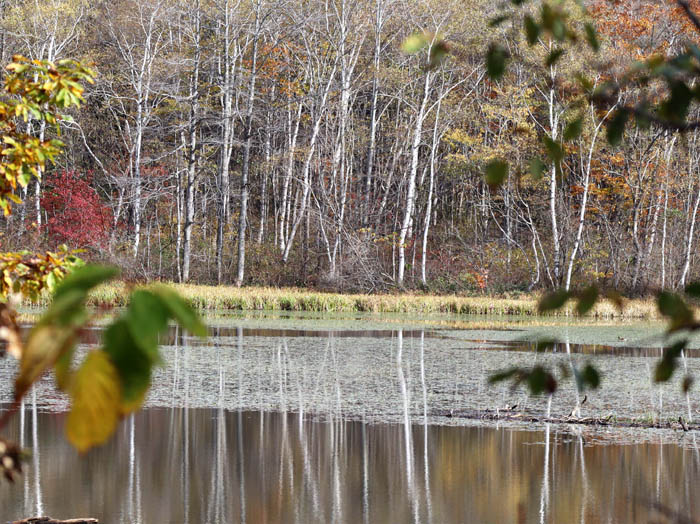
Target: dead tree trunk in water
{"points": [[49, 520]]}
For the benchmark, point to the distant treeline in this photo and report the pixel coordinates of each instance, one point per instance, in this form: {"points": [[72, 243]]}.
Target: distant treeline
{"points": [[280, 142]]}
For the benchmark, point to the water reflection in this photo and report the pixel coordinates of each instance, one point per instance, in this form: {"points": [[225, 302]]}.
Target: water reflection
{"points": [[245, 459], [416, 378], [216, 466], [489, 339]]}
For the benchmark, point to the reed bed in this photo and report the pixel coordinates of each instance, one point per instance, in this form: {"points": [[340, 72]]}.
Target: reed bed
{"points": [[292, 299]]}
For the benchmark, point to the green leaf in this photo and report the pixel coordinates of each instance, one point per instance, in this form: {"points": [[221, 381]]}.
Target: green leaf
{"points": [[554, 149], [147, 316], [415, 43], [553, 56], [586, 300], [95, 409], [693, 289], [540, 380], [86, 278], [589, 377], [675, 108], [553, 300], [51, 282], [66, 310], [688, 381], [585, 82], [545, 344], [504, 375], [181, 311], [495, 22], [496, 172], [558, 27], [573, 129], [669, 304], [591, 36], [496, 61], [664, 370], [616, 127], [537, 168], [641, 117], [616, 298], [132, 363], [62, 369], [667, 364], [672, 306], [438, 53], [24, 179], [675, 350], [532, 29]]}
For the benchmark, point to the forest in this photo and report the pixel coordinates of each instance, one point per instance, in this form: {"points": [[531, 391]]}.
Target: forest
{"points": [[279, 142]]}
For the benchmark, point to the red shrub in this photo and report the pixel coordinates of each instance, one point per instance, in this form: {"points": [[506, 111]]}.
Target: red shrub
{"points": [[75, 214]]}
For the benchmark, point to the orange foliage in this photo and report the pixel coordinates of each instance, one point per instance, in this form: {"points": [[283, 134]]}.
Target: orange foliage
{"points": [[638, 29]]}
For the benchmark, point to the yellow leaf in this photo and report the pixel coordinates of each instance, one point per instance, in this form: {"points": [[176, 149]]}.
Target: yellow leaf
{"points": [[96, 394], [44, 346], [9, 330]]}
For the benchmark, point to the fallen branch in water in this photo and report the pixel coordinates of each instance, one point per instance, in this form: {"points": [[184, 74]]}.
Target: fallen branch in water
{"points": [[49, 520], [512, 415]]}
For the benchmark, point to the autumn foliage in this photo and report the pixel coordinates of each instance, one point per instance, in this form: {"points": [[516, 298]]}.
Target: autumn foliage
{"points": [[75, 214]]}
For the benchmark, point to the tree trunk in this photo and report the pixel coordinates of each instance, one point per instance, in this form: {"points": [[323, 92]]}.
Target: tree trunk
{"points": [[429, 202], [584, 200], [227, 135], [192, 150], [411, 193], [690, 239], [243, 217], [307, 166], [556, 245]]}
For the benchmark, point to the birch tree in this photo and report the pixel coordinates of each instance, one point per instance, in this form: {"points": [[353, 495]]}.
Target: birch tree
{"points": [[135, 31]]}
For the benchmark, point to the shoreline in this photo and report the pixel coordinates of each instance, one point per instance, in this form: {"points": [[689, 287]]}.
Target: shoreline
{"points": [[205, 297]]}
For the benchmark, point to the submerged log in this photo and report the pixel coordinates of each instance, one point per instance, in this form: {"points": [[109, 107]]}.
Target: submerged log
{"points": [[49, 520], [509, 414]]}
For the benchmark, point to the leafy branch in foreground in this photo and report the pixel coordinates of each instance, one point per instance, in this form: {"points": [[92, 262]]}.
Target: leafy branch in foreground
{"points": [[674, 307], [666, 84], [668, 92], [34, 90], [110, 381], [30, 274]]}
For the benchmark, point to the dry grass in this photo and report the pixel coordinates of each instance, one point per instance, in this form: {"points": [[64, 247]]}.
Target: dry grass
{"points": [[292, 299]]}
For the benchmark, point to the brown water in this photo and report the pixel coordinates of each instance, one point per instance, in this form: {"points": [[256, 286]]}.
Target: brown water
{"points": [[310, 421], [214, 466]]}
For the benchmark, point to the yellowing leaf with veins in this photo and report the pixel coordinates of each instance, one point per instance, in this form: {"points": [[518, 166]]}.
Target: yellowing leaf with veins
{"points": [[96, 395], [45, 344]]}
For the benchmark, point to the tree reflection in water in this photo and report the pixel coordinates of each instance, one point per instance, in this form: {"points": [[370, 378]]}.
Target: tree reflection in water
{"points": [[184, 465], [342, 471]]}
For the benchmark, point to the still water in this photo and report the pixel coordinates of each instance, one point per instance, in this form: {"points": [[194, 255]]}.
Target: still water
{"points": [[275, 422], [215, 466]]}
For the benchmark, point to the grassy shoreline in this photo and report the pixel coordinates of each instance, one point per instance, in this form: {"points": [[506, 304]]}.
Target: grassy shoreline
{"points": [[231, 298]]}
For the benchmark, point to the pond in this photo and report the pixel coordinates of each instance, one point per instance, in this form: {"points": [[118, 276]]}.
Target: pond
{"points": [[301, 418]]}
